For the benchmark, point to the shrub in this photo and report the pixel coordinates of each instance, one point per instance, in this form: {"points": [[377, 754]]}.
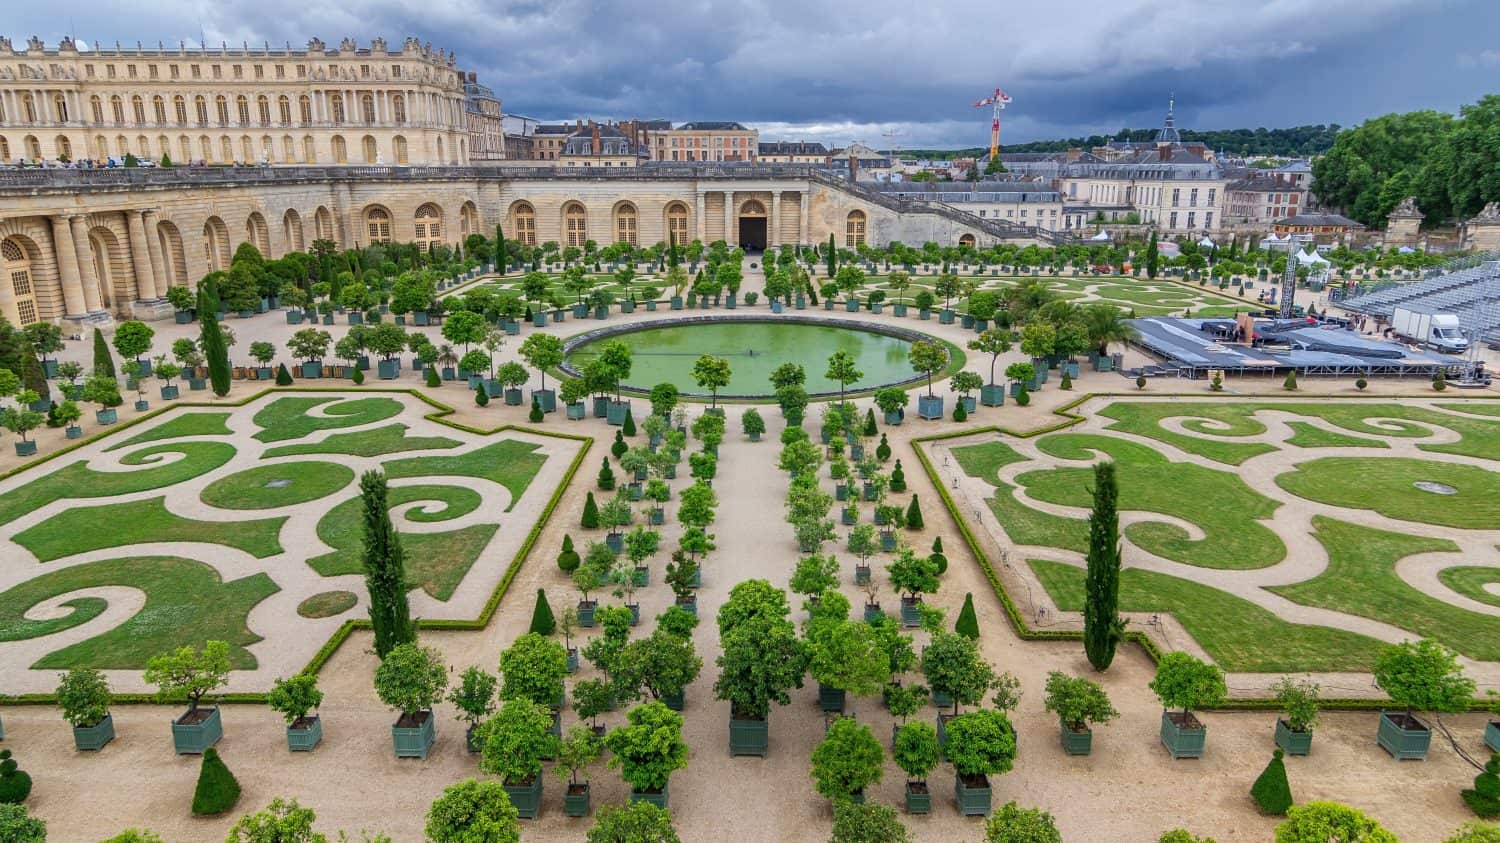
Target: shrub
{"points": [[1140, 382], [1360, 384], [542, 622], [628, 428], [1320, 822], [898, 479], [937, 556], [359, 379], [848, 760], [283, 821], [649, 748], [15, 784], [883, 450], [867, 823], [636, 822], [411, 678], [606, 474], [959, 413], [516, 740], [294, 697], [1300, 702], [567, 558], [481, 395], [619, 447], [83, 695], [217, 789], [536, 415], [869, 429], [1014, 824], [590, 513], [967, 624], [1067, 382], [433, 380], [1475, 833], [981, 743], [1484, 799], [18, 826], [1423, 676], [914, 515], [471, 811], [1185, 682], [1077, 701], [1023, 398], [1440, 382], [915, 749], [1271, 791], [283, 377], [1181, 835], [1291, 381]]}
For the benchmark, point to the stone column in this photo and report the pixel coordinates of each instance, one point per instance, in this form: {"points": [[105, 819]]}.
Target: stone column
{"points": [[775, 235], [802, 234], [140, 257], [700, 220], [91, 300], [729, 218], [67, 268], [158, 259]]}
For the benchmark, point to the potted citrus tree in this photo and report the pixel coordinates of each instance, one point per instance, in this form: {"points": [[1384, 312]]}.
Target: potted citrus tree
{"points": [[993, 342], [412, 680], [760, 660], [293, 698], [580, 748], [912, 576], [647, 750], [475, 700], [533, 668], [1299, 702], [845, 657], [511, 376], [192, 673], [892, 402], [848, 760], [166, 372], [957, 674], [572, 392], [515, 742], [980, 744], [83, 695], [928, 358], [1078, 703], [1418, 676], [104, 391], [1186, 683], [915, 750]]}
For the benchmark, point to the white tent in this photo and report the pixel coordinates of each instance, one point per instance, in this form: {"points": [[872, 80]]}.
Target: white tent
{"points": [[1406, 250], [1313, 259], [1102, 235], [1208, 244]]}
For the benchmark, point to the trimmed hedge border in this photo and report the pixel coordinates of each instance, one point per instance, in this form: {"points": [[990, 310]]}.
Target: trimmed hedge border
{"points": [[1018, 622], [340, 635]]}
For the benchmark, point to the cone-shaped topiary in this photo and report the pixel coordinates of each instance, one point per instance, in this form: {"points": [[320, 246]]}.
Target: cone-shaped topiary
{"points": [[870, 429], [481, 395], [937, 556], [590, 513], [433, 381], [283, 377], [914, 515], [1023, 398], [536, 415], [898, 478], [103, 363], [960, 413], [542, 622], [1291, 380], [967, 624], [1271, 792], [883, 450], [606, 476], [15, 785], [1483, 800], [1067, 382], [567, 558], [619, 448], [217, 789], [629, 427]]}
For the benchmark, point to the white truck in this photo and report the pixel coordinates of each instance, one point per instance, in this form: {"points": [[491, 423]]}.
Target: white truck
{"points": [[1437, 330]]}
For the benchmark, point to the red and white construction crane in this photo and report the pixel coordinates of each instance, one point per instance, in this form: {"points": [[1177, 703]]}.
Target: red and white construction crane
{"points": [[997, 101]]}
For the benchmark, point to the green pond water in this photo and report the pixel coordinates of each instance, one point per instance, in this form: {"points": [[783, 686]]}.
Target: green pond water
{"points": [[754, 350]]}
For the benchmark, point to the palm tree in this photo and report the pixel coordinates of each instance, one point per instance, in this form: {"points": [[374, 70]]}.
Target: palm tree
{"points": [[1106, 324]]}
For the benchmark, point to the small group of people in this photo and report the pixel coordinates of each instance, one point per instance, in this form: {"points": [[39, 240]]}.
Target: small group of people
{"points": [[109, 164]]}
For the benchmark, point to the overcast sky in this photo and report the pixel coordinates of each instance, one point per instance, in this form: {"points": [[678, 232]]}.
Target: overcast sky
{"points": [[842, 71]]}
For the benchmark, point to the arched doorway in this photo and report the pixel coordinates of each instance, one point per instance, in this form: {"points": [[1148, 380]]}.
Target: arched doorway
{"points": [[429, 227], [523, 223], [108, 264], [172, 252], [18, 275], [323, 224], [677, 224], [216, 244], [575, 225], [291, 221], [258, 234], [626, 229], [378, 224], [752, 225], [966, 240], [854, 230]]}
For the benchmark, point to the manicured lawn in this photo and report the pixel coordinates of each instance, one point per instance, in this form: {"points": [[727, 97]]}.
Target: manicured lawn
{"points": [[77, 480], [326, 604], [1227, 510], [289, 418], [1361, 580], [85, 528], [1238, 634], [183, 424], [1478, 409], [186, 603], [1022, 524], [1144, 419], [1308, 435], [1385, 485], [509, 462], [436, 562], [985, 460], [1470, 581], [390, 439], [271, 486]]}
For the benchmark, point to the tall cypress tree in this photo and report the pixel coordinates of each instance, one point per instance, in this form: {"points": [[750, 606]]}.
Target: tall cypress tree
{"points": [[103, 363], [1102, 625], [385, 569], [832, 257], [211, 340], [502, 260], [1152, 257]]}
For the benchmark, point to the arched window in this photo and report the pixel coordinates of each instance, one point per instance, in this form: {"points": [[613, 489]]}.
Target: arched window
{"points": [[159, 109], [121, 145], [625, 225], [96, 110], [200, 105], [340, 151], [291, 224], [523, 223], [117, 110], [18, 276], [575, 225], [263, 106], [205, 149], [284, 110], [180, 106], [441, 156], [4, 149], [402, 156], [367, 109], [186, 146], [221, 109], [142, 146], [677, 223], [322, 224], [33, 148], [429, 222], [288, 150], [247, 148], [854, 230], [966, 240], [378, 225], [258, 234], [304, 109], [309, 150], [164, 144], [372, 153], [267, 149], [28, 106], [138, 110], [336, 106], [216, 244], [242, 110], [64, 147], [468, 220], [398, 109], [226, 147], [60, 108]]}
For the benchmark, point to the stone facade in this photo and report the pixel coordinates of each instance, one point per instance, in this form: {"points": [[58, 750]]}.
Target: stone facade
{"points": [[484, 122], [319, 105], [1403, 225], [85, 245], [1482, 232], [704, 141]]}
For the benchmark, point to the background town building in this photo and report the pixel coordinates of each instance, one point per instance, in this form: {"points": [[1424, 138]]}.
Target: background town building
{"points": [[705, 140], [484, 122], [793, 152]]}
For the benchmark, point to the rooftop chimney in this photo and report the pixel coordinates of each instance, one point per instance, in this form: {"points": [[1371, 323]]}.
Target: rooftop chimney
{"points": [[1164, 153], [594, 128], [1074, 154]]}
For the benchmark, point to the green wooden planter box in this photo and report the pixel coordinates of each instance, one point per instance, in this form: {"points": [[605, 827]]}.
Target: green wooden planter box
{"points": [[183, 317], [861, 574], [749, 737], [945, 317], [830, 699], [93, 738], [73, 431], [972, 800], [576, 800], [676, 701], [1293, 743], [1076, 743], [193, 738], [872, 611], [615, 412], [586, 613], [887, 541], [572, 659], [513, 397], [170, 393], [992, 395], [306, 738], [546, 399], [26, 449], [895, 417], [911, 614], [577, 411], [106, 416], [657, 799], [1402, 743], [1492, 736], [918, 801], [1182, 741], [414, 741], [527, 798], [471, 741]]}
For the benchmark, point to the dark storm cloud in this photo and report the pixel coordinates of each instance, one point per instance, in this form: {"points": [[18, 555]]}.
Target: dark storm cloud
{"points": [[842, 71]]}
